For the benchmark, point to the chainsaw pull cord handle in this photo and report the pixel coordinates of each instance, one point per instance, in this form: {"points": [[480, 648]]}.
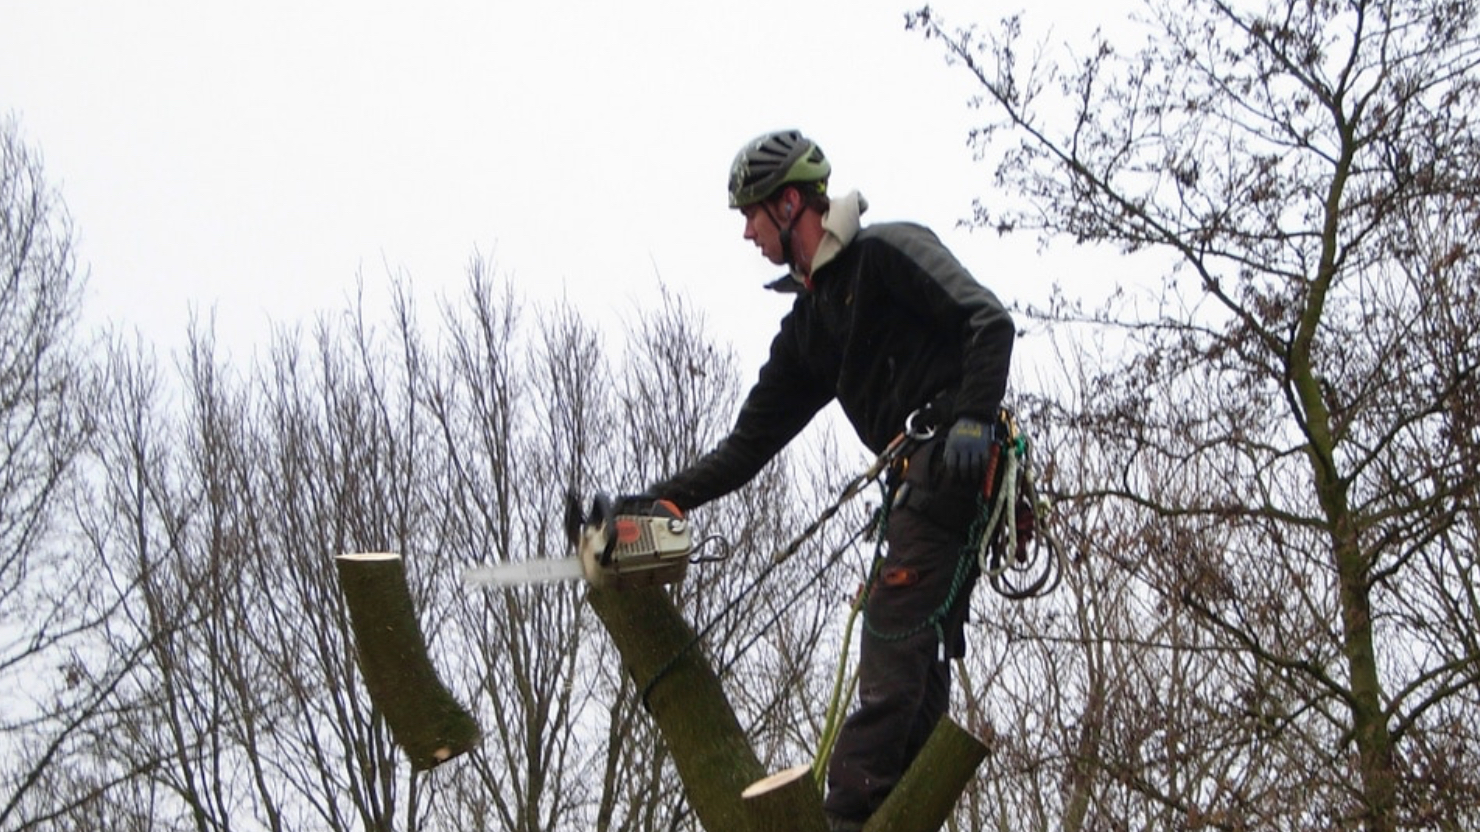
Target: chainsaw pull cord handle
{"points": [[696, 557]]}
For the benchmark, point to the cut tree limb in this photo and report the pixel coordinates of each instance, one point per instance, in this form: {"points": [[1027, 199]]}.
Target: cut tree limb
{"points": [[424, 718], [928, 792], [786, 800]]}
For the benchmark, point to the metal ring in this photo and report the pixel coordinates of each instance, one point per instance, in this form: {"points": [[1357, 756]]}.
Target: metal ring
{"points": [[919, 434]]}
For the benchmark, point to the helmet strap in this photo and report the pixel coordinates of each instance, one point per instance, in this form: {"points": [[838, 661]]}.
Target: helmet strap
{"points": [[784, 227]]}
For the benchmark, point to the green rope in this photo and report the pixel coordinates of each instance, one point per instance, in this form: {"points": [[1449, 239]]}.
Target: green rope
{"points": [[841, 693], [934, 620], [832, 722]]}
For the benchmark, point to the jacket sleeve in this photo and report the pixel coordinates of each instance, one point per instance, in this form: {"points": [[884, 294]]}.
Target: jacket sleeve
{"points": [[945, 291], [784, 399]]}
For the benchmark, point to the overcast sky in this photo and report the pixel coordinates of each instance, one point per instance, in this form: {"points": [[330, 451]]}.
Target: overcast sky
{"points": [[250, 160]]}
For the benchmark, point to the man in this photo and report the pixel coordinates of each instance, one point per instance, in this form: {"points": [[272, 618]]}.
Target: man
{"points": [[887, 322]]}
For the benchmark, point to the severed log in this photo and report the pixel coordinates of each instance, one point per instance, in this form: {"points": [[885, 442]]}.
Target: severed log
{"points": [[788, 800], [928, 792], [424, 718]]}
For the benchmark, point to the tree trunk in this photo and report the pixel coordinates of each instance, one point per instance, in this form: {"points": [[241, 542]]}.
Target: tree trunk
{"points": [[709, 748], [424, 718], [1370, 730]]}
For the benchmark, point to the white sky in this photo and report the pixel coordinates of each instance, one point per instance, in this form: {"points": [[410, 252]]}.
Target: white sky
{"points": [[251, 159]]}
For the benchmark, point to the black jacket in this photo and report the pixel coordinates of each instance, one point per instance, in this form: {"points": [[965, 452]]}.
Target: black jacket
{"points": [[890, 323]]}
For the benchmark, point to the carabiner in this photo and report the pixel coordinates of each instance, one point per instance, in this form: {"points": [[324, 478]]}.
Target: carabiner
{"points": [[915, 432]]}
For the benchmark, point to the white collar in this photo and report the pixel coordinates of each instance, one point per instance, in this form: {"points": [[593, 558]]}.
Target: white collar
{"points": [[840, 225]]}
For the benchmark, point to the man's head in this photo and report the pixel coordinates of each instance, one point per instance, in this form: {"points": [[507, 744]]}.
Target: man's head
{"points": [[772, 161], [774, 180]]}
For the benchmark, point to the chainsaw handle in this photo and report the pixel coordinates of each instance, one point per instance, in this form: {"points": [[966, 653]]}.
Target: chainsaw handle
{"points": [[603, 516]]}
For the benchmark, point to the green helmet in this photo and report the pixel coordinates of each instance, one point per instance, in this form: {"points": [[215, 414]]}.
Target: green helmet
{"points": [[770, 161]]}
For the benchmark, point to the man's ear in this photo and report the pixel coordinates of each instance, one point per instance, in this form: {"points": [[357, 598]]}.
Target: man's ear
{"points": [[790, 202]]}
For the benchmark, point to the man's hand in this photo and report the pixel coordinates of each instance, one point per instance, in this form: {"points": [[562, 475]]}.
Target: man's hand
{"points": [[967, 447]]}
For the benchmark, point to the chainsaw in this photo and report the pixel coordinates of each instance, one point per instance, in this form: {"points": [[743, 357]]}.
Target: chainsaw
{"points": [[634, 541]]}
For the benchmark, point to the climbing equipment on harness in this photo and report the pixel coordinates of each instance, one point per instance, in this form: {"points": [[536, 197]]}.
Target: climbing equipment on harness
{"points": [[1009, 541], [1015, 546]]}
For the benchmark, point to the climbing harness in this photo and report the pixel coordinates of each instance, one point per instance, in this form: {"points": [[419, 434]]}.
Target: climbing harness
{"points": [[1009, 541]]}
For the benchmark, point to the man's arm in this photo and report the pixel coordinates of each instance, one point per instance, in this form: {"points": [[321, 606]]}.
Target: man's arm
{"points": [[782, 402]]}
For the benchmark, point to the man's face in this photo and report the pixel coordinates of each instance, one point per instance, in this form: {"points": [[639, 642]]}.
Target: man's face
{"points": [[762, 230]]}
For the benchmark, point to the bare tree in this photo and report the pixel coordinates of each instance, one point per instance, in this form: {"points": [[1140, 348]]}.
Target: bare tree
{"points": [[217, 523], [42, 380], [1287, 425], [521, 418], [54, 686]]}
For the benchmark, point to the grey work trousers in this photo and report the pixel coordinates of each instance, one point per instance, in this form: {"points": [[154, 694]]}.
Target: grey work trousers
{"points": [[904, 674]]}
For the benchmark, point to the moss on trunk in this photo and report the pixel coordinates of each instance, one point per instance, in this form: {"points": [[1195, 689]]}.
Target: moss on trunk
{"points": [[424, 718]]}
